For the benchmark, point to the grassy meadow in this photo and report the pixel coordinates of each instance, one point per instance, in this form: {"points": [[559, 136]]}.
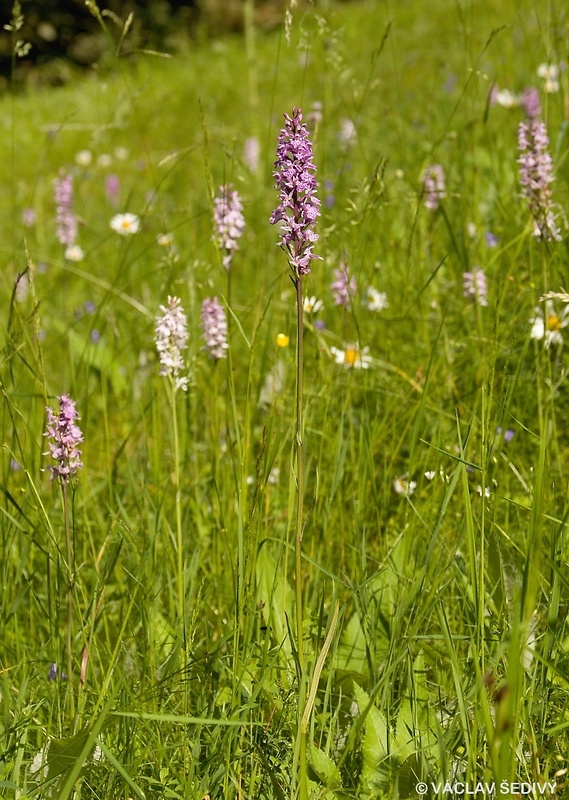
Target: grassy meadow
{"points": [[149, 643]]}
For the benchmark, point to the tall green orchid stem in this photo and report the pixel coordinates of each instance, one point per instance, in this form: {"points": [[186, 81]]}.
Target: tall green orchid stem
{"points": [[179, 536], [299, 532], [70, 553]]}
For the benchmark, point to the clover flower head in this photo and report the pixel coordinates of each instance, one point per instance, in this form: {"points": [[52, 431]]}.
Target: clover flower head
{"points": [[229, 222], [64, 437], [536, 177], [214, 327], [434, 186], [171, 337], [298, 208], [475, 286], [65, 218], [344, 286]]}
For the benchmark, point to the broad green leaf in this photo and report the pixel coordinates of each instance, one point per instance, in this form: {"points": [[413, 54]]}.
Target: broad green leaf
{"points": [[324, 767]]}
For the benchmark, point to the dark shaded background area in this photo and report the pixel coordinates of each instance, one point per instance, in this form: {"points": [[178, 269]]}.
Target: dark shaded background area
{"points": [[65, 35]]}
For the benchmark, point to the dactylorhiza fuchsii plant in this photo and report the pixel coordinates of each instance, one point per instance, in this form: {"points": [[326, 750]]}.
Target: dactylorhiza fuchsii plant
{"points": [[64, 437], [171, 338], [229, 222], [297, 212], [475, 287], [214, 328], [536, 177], [66, 220], [344, 286], [434, 186], [299, 208]]}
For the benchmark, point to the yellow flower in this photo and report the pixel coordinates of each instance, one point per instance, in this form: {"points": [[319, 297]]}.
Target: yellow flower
{"points": [[283, 340]]}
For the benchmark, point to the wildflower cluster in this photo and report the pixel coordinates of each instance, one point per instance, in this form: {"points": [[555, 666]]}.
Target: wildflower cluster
{"points": [[229, 222], [214, 327], [299, 207], [171, 337], [65, 436], [536, 177]]}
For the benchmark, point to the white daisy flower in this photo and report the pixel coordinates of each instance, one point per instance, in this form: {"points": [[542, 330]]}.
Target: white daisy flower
{"points": [[121, 153], [84, 158], [506, 99], [312, 305], [165, 239], [550, 75], [104, 160], [352, 356], [125, 224], [348, 133], [74, 253], [430, 474], [548, 324], [374, 300], [404, 487]]}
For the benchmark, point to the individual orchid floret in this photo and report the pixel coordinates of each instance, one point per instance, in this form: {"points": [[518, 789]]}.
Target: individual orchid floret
{"points": [[299, 208], [65, 217], [171, 337], [536, 177], [434, 186], [344, 286], [214, 327], [229, 222], [64, 437], [475, 286]]}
